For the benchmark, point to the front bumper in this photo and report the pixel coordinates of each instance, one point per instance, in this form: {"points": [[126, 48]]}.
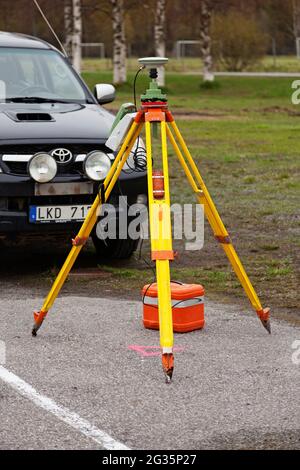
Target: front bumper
{"points": [[18, 193], [19, 186]]}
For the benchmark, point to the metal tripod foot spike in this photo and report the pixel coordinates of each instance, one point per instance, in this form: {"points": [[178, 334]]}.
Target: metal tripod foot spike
{"points": [[267, 325], [35, 329], [153, 114]]}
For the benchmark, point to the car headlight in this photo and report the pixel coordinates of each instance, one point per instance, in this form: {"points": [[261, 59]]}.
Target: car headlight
{"points": [[42, 167], [97, 165]]}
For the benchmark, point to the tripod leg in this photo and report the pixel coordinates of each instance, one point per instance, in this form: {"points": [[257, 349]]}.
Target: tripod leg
{"points": [[216, 223], [161, 249], [87, 225]]}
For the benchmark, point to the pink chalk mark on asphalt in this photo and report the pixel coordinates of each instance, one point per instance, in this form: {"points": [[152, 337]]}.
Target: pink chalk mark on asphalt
{"points": [[150, 351]]}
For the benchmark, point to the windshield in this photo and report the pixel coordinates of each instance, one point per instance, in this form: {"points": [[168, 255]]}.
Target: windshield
{"points": [[38, 73]]}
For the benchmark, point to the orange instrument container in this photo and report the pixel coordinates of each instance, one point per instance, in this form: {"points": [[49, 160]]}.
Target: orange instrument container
{"points": [[187, 307]]}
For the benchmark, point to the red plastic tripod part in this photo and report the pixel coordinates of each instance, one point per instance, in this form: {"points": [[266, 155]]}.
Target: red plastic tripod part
{"points": [[39, 317], [158, 183], [168, 364], [264, 314], [222, 239], [151, 107], [162, 254], [79, 241]]}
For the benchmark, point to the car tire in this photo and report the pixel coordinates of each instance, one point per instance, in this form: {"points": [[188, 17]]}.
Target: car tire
{"points": [[114, 249]]}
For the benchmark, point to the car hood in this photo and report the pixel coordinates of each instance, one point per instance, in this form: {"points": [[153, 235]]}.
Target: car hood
{"points": [[57, 121]]}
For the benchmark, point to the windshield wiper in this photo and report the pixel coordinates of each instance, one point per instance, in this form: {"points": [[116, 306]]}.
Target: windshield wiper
{"points": [[35, 99]]}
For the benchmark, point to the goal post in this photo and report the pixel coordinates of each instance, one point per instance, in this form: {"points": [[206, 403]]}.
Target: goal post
{"points": [[180, 47], [97, 47], [298, 47]]}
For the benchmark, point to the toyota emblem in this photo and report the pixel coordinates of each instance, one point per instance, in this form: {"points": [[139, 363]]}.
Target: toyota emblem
{"points": [[62, 155]]}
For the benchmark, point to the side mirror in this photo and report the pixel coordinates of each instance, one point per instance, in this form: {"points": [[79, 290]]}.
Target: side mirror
{"points": [[104, 93]]}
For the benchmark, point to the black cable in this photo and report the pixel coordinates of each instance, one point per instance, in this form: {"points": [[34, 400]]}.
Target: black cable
{"points": [[139, 154], [139, 160], [140, 165], [183, 300], [145, 293], [171, 282], [140, 248], [134, 84]]}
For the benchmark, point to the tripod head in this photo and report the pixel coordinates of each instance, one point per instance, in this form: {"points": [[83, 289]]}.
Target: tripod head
{"points": [[153, 93]]}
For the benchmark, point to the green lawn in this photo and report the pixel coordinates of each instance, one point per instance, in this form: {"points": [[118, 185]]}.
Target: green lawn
{"points": [[238, 94], [193, 64], [245, 136]]}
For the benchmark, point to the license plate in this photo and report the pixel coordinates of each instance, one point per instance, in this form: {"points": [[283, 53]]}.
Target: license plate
{"points": [[61, 189], [58, 214]]}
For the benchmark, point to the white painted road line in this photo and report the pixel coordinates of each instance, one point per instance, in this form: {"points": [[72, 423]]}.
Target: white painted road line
{"points": [[62, 413]]}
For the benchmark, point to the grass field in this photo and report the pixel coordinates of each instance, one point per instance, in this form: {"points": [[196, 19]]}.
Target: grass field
{"points": [[244, 134], [192, 64]]}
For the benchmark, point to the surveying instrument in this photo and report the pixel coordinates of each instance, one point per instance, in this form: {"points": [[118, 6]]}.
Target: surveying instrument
{"points": [[153, 114]]}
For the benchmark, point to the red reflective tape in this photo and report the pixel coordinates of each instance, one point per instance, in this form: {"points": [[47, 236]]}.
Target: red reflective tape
{"points": [[154, 104]]}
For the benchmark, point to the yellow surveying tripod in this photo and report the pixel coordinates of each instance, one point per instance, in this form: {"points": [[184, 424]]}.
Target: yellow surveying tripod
{"points": [[154, 111]]}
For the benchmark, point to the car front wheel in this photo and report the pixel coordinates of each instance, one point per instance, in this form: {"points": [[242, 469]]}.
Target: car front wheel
{"points": [[114, 249]]}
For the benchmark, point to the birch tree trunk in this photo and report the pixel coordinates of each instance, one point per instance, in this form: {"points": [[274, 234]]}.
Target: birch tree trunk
{"points": [[206, 7], [119, 42], [159, 37], [77, 35], [296, 23], [68, 23]]}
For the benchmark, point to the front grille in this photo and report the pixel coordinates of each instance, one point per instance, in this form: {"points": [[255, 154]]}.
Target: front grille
{"points": [[32, 149], [20, 167]]}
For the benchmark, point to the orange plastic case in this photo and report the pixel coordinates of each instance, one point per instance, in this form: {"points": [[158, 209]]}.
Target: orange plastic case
{"points": [[187, 307]]}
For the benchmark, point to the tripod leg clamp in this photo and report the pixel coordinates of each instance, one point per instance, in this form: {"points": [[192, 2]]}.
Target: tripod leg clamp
{"points": [[162, 255], [79, 241], [225, 240]]}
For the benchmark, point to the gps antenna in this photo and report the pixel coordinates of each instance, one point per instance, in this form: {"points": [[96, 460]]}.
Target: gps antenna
{"points": [[50, 27]]}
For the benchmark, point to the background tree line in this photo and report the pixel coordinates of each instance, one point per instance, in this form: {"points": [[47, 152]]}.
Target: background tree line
{"points": [[232, 32]]}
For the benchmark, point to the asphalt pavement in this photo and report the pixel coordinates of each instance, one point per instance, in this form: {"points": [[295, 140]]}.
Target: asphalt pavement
{"points": [[234, 386]]}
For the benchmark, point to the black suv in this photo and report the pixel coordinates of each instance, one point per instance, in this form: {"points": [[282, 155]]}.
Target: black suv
{"points": [[49, 116]]}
